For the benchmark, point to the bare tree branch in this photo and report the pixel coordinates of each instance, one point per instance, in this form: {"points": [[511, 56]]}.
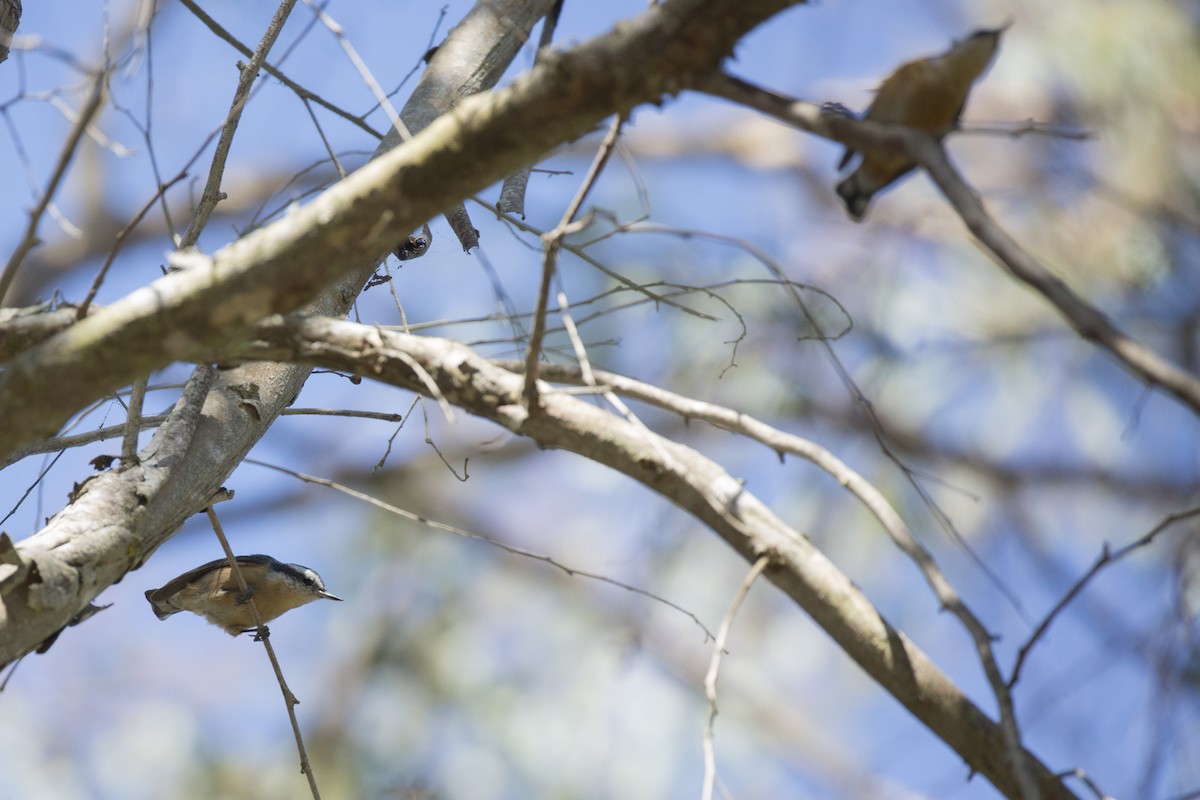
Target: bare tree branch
{"points": [[301, 92], [466, 534], [117, 520], [1088, 321], [187, 314], [212, 187], [551, 244], [714, 671], [690, 481], [289, 699], [22, 328], [874, 500]]}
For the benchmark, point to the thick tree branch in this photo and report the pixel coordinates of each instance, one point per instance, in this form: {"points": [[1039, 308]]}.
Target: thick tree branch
{"points": [[321, 255], [687, 479], [874, 500], [22, 328], [10, 18], [279, 268], [116, 520], [40, 594]]}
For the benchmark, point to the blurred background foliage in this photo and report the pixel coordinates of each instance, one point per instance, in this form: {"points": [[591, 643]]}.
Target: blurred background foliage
{"points": [[458, 670]]}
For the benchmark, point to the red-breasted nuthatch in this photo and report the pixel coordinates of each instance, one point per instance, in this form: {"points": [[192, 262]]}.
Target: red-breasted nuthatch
{"points": [[211, 591], [927, 94]]}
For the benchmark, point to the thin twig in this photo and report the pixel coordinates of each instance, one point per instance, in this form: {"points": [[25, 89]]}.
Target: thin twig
{"points": [[387, 451], [301, 92], [508, 548], [438, 451], [80, 439], [589, 380], [677, 290], [1106, 558], [385, 416], [551, 242], [582, 254], [337, 162], [364, 71], [1100, 794], [212, 187], [82, 311], [714, 670], [1025, 128], [28, 491], [289, 699], [30, 238]]}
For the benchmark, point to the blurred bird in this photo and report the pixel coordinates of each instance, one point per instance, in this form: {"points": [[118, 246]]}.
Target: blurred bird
{"points": [[927, 94]]}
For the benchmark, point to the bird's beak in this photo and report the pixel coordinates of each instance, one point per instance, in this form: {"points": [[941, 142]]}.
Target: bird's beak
{"points": [[329, 596]]}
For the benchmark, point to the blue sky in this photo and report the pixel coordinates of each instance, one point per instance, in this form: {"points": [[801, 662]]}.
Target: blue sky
{"points": [[498, 677]]}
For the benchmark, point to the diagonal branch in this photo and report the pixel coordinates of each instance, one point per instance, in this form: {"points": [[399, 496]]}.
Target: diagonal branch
{"points": [[1088, 321], [212, 187], [212, 300], [30, 240], [690, 481], [297, 89], [856, 484], [120, 517]]}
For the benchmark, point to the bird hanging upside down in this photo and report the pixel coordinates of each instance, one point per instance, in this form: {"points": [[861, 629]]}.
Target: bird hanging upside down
{"points": [[927, 94]]}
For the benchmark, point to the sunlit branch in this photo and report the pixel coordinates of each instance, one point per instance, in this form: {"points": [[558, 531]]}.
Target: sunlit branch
{"points": [[692, 482]]}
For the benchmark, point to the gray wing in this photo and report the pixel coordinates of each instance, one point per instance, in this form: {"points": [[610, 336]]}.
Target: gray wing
{"points": [[158, 597]]}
